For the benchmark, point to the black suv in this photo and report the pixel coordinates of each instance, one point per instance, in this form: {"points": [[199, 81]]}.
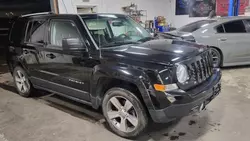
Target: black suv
{"points": [[109, 61]]}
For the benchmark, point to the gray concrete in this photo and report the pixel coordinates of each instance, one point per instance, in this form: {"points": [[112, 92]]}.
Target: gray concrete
{"points": [[40, 119]]}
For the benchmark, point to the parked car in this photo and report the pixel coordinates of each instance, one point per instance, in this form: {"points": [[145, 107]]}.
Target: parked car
{"points": [[108, 61], [228, 38]]}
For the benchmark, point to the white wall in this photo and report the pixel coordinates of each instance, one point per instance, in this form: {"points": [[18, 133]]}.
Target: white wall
{"points": [[179, 20], [153, 7]]}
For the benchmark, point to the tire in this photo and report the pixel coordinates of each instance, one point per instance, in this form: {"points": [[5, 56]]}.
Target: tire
{"points": [[217, 57], [133, 127], [22, 83]]}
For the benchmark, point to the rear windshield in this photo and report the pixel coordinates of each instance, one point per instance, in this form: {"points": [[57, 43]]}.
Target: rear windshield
{"points": [[195, 25]]}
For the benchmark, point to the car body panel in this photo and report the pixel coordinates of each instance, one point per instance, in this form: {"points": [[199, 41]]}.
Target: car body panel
{"points": [[234, 46], [83, 73]]}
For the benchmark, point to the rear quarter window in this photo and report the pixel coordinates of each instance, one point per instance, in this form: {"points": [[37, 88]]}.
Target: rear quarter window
{"points": [[220, 29], [17, 31]]}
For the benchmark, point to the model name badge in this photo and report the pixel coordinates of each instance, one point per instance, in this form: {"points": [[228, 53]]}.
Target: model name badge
{"points": [[75, 81]]}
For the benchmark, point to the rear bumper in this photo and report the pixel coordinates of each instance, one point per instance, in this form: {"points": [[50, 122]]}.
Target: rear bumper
{"points": [[202, 96]]}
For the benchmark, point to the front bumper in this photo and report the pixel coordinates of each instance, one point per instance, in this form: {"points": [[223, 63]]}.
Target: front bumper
{"points": [[198, 96]]}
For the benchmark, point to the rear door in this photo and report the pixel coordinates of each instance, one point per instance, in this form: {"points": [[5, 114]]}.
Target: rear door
{"points": [[66, 72], [33, 44], [234, 41]]}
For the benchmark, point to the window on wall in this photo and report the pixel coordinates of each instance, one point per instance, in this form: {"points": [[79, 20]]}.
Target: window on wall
{"points": [[35, 32], [235, 27], [62, 30]]}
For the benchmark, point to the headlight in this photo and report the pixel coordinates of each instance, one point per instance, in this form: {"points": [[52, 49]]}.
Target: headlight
{"points": [[182, 73]]}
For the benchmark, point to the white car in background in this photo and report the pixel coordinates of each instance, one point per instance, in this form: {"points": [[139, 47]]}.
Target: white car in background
{"points": [[229, 38]]}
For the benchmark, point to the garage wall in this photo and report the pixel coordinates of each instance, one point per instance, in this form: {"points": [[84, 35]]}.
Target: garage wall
{"points": [[153, 7], [179, 20]]}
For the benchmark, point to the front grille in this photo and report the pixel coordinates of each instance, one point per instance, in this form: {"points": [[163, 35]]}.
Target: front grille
{"points": [[201, 69]]}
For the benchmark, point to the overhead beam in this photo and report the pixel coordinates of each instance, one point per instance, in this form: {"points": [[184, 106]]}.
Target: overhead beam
{"points": [[54, 6]]}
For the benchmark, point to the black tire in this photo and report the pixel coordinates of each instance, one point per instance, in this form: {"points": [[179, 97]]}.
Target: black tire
{"points": [[217, 57], [29, 90], [137, 106]]}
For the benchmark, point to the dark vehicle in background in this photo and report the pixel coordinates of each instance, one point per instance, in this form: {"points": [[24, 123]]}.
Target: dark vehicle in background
{"points": [[108, 61], [228, 38]]}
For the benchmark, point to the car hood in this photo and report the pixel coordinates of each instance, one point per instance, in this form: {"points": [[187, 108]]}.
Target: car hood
{"points": [[164, 51]]}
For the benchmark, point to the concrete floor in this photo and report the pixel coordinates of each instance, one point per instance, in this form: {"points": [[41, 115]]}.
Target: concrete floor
{"points": [[47, 117]]}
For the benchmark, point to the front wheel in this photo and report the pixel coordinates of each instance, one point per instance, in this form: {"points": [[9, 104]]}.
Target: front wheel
{"points": [[217, 58], [124, 113]]}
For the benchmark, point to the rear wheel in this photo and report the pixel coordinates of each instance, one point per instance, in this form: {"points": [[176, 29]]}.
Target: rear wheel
{"points": [[22, 82], [217, 57], [124, 112]]}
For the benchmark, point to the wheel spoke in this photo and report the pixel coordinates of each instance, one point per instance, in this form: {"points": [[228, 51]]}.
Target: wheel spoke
{"points": [[19, 74], [128, 105], [19, 86], [133, 120], [18, 79], [24, 87], [113, 114], [123, 125], [116, 103]]}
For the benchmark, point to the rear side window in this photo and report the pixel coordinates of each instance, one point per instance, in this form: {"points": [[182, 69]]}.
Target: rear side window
{"points": [[235, 27], [220, 29], [247, 23], [17, 31], [35, 32]]}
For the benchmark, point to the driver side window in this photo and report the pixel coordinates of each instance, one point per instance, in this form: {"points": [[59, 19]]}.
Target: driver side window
{"points": [[60, 30]]}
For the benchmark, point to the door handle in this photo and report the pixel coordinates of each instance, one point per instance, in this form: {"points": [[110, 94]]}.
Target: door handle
{"points": [[223, 39], [51, 56]]}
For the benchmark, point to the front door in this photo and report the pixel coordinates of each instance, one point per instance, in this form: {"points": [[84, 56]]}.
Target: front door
{"points": [[69, 72]]}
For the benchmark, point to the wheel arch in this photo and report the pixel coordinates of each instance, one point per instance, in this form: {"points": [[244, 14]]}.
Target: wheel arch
{"points": [[14, 63], [105, 78]]}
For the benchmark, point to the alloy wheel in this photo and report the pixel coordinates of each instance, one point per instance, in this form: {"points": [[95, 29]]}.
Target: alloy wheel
{"points": [[122, 114], [22, 82], [216, 58]]}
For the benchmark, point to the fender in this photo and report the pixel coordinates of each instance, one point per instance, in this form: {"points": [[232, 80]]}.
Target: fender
{"points": [[131, 75]]}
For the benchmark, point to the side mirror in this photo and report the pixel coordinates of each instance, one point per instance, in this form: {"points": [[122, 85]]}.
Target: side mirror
{"points": [[72, 44], [117, 23]]}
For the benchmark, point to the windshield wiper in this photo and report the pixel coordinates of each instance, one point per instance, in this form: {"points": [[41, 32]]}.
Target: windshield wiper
{"points": [[171, 36], [120, 43], [146, 39]]}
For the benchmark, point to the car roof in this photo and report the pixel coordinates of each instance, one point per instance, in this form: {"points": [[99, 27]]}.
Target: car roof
{"points": [[231, 18], [48, 15]]}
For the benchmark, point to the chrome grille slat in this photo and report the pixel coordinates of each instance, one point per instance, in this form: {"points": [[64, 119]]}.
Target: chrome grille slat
{"points": [[207, 65], [200, 69]]}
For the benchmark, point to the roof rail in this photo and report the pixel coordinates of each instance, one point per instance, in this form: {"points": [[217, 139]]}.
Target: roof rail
{"points": [[34, 14]]}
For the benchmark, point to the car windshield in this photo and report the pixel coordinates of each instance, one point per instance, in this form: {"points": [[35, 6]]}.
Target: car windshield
{"points": [[115, 30], [195, 25]]}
